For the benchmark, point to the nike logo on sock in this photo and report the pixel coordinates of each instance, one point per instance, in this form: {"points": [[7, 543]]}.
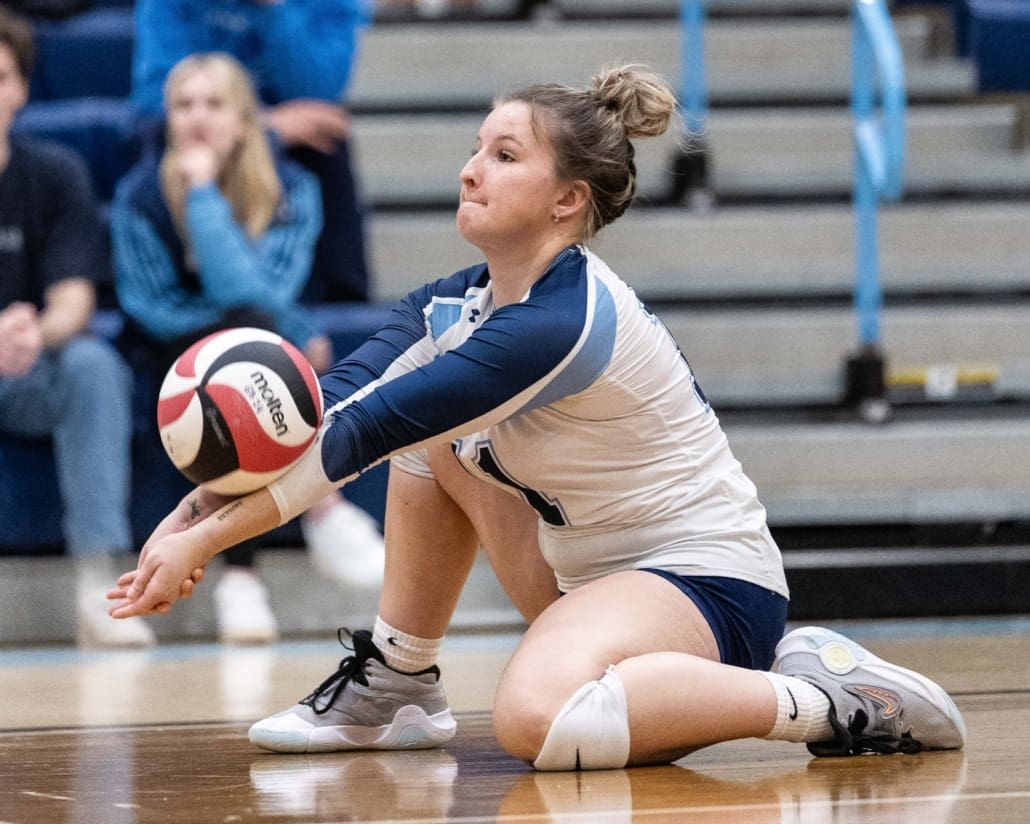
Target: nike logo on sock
{"points": [[794, 713], [391, 641]]}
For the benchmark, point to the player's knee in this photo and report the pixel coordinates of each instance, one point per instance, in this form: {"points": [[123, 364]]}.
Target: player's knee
{"points": [[521, 725], [590, 732]]}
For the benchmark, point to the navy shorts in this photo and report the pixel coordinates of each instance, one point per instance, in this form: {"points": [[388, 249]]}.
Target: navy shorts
{"points": [[746, 619]]}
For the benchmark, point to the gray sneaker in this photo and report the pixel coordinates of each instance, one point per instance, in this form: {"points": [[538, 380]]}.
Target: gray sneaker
{"points": [[364, 705], [875, 706]]}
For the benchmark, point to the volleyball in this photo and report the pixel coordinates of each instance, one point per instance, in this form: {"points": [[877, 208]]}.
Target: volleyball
{"points": [[237, 409]]}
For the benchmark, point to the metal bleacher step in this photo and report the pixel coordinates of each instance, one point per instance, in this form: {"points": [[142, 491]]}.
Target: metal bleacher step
{"points": [[753, 153], [35, 607], [949, 149], [421, 66], [671, 8], [939, 468], [755, 252], [795, 356]]}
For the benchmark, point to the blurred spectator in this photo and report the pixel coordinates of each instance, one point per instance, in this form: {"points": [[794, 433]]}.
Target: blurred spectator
{"points": [[300, 54], [219, 231], [56, 379]]}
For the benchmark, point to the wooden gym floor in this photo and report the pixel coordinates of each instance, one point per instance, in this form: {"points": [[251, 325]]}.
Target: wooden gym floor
{"points": [[160, 736]]}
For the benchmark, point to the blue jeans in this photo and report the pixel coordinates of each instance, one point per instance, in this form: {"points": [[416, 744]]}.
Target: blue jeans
{"points": [[80, 396]]}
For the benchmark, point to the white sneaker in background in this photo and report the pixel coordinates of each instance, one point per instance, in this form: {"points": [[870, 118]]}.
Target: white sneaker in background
{"points": [[95, 629], [344, 543], [432, 8], [242, 609]]}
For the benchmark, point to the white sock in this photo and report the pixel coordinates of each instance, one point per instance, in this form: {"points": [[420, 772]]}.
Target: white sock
{"points": [[802, 713], [403, 652]]}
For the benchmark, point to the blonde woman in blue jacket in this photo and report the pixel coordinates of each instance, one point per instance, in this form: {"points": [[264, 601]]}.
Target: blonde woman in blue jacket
{"points": [[301, 54]]}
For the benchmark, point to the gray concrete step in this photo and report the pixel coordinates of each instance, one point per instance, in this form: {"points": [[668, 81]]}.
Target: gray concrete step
{"points": [[934, 471], [754, 153], [424, 65], [796, 356], [753, 252], [37, 601], [671, 8], [949, 149]]}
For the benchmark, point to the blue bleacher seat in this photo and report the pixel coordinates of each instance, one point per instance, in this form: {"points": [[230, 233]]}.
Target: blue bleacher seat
{"points": [[88, 55], [960, 26], [30, 513], [999, 42], [102, 130]]}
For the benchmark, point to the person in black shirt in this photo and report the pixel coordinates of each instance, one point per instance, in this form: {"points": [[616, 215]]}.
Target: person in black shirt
{"points": [[57, 379]]}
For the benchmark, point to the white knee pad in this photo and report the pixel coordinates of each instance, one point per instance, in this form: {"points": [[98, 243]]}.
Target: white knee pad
{"points": [[591, 732]]}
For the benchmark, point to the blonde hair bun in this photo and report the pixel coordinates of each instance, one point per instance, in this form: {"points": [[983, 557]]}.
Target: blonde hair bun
{"points": [[641, 99]]}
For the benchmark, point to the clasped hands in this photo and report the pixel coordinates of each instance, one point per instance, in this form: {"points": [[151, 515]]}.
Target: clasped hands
{"points": [[171, 563]]}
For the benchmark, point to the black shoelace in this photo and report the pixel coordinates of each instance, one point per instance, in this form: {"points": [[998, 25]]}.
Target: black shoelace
{"points": [[852, 741], [352, 667], [884, 743]]}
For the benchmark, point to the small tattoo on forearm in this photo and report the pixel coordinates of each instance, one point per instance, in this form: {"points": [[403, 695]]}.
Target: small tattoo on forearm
{"points": [[194, 510], [227, 512]]}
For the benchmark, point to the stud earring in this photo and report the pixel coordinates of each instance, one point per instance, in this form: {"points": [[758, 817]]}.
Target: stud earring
{"points": [[555, 216]]}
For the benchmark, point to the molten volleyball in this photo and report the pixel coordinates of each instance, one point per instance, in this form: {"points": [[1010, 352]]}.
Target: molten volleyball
{"points": [[237, 409]]}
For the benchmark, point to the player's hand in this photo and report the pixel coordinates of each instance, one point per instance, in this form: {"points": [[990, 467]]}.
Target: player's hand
{"points": [[120, 591], [168, 570], [194, 508], [316, 124]]}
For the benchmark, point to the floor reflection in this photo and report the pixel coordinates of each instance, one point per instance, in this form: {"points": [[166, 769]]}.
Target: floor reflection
{"points": [[359, 786], [862, 790]]}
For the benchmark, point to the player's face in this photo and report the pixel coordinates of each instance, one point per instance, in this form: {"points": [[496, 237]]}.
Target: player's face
{"points": [[508, 187], [200, 113], [14, 90]]}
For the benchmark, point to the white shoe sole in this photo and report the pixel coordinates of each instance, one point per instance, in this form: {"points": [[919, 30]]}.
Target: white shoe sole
{"points": [[411, 729]]}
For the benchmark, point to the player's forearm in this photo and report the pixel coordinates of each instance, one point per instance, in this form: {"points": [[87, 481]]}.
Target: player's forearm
{"points": [[237, 521]]}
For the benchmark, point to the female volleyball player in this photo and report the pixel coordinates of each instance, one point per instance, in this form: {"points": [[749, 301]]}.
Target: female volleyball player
{"points": [[534, 406]]}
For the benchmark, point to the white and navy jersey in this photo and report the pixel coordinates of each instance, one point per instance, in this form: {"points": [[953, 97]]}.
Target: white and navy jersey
{"points": [[577, 399]]}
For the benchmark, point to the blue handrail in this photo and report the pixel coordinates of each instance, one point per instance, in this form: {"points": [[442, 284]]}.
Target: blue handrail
{"points": [[693, 85], [879, 147]]}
